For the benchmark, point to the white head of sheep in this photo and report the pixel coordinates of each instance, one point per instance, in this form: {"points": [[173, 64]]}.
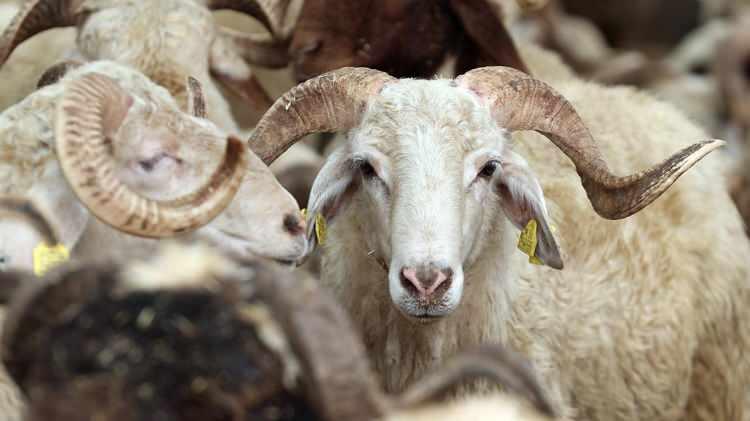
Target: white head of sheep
{"points": [[144, 167], [429, 160]]}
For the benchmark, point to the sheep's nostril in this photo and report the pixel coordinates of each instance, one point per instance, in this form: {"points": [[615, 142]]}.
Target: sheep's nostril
{"points": [[409, 281], [426, 280], [294, 225]]}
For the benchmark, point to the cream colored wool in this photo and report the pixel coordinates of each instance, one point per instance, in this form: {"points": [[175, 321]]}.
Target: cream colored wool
{"points": [[167, 40], [494, 407], [648, 319]]}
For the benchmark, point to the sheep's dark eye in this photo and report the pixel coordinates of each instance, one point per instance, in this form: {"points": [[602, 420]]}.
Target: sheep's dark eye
{"points": [[699, 69], [149, 165], [366, 169], [488, 170]]}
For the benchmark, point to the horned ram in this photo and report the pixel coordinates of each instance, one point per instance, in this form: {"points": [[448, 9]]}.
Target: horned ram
{"points": [[424, 201], [106, 141]]}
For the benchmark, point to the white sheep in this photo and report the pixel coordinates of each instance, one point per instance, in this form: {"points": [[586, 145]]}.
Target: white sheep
{"points": [[646, 320], [167, 41], [164, 172], [152, 37]]}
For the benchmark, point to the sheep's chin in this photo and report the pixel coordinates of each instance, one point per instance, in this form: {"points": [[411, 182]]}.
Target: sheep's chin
{"points": [[424, 314], [237, 247]]}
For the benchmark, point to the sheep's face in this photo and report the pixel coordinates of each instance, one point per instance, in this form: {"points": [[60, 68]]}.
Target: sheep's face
{"points": [[164, 161], [163, 153], [151, 36], [402, 38], [430, 172]]}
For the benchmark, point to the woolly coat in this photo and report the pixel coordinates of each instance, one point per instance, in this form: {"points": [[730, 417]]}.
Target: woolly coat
{"points": [[648, 319]]}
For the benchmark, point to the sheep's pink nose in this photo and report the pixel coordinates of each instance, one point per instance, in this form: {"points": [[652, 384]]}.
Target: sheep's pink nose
{"points": [[426, 280]]}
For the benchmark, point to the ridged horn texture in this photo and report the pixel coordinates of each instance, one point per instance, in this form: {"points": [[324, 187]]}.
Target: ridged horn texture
{"points": [[520, 102], [271, 13], [196, 100], [331, 102], [490, 362], [85, 155], [36, 16], [26, 210]]}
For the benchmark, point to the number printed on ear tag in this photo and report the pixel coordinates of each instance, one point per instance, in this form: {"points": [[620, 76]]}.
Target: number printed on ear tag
{"points": [[46, 257]]}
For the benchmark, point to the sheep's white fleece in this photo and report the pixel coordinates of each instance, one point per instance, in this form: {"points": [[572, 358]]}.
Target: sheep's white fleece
{"points": [[647, 321], [494, 407]]}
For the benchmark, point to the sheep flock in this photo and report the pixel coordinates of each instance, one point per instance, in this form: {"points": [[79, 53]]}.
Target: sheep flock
{"points": [[386, 210]]}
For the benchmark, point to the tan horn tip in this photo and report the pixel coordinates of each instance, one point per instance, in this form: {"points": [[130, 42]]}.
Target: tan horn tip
{"points": [[196, 100], [628, 195]]}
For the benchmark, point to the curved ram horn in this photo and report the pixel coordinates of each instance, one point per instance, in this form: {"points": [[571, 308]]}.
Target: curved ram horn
{"points": [[36, 16], [338, 379], [95, 102], [331, 102], [196, 100], [271, 13], [520, 102], [494, 363]]}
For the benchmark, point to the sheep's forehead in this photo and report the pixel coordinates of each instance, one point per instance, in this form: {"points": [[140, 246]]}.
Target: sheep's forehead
{"points": [[419, 116]]}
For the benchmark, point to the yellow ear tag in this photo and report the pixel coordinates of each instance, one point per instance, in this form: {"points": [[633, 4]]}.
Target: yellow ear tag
{"points": [[45, 258], [320, 228], [527, 242]]}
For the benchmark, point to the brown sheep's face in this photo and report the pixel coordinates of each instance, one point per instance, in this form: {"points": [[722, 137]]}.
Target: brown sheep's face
{"points": [[406, 38], [326, 37]]}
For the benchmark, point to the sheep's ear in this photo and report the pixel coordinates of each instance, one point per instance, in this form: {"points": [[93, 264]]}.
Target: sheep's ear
{"points": [[330, 194], [487, 31], [522, 200]]}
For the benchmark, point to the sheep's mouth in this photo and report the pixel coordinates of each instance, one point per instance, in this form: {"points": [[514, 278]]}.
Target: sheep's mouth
{"points": [[427, 318], [423, 314], [241, 248]]}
